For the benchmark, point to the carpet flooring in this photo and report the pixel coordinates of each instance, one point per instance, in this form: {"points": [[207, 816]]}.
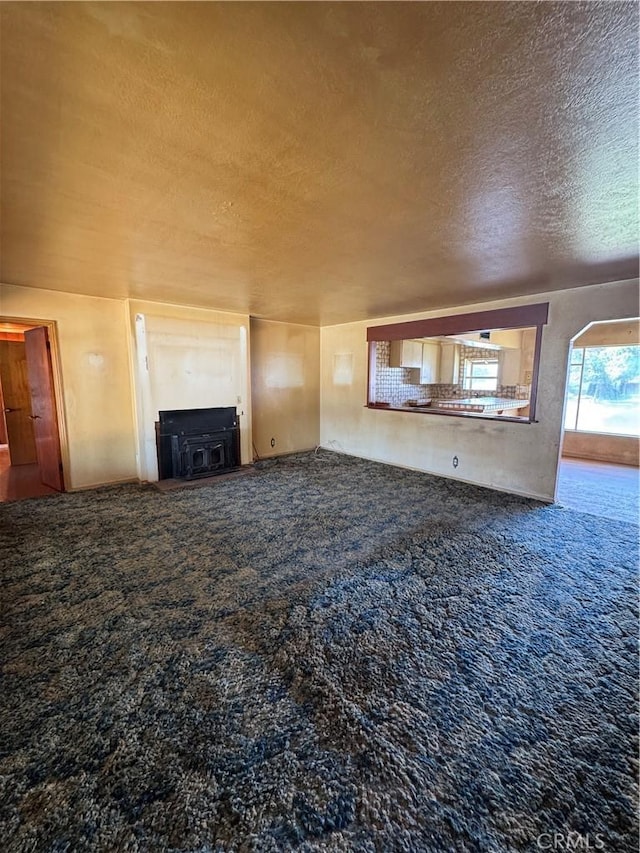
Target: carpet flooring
{"points": [[599, 488], [331, 654]]}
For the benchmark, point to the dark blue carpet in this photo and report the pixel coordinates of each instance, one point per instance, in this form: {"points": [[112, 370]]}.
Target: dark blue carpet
{"points": [[329, 655]]}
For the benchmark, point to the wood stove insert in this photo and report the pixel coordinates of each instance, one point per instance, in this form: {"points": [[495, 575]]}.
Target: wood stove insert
{"points": [[197, 442]]}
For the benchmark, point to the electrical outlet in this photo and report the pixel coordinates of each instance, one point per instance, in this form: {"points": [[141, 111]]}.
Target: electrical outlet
{"points": [[273, 442], [455, 462], [528, 376]]}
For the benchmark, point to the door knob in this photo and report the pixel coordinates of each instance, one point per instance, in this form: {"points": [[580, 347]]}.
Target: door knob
{"points": [[8, 409], [34, 417]]}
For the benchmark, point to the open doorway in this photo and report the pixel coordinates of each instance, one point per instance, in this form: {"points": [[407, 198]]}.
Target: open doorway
{"points": [[30, 447], [600, 453]]}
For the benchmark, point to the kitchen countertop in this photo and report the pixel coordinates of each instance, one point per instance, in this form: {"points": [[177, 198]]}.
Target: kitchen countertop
{"points": [[490, 406], [480, 404]]}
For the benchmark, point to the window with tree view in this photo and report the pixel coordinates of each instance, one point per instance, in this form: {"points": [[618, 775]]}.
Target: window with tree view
{"points": [[603, 393]]}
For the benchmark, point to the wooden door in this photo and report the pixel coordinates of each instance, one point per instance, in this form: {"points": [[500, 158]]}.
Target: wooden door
{"points": [[3, 418], [43, 407], [17, 402]]}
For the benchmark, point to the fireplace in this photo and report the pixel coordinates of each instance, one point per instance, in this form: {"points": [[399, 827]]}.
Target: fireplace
{"points": [[197, 442]]}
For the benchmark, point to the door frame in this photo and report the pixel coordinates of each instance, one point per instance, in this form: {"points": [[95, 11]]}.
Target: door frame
{"points": [[54, 350], [565, 396]]}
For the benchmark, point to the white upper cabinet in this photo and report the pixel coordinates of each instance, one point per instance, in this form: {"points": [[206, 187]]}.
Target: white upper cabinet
{"points": [[430, 365], [405, 354], [449, 363]]}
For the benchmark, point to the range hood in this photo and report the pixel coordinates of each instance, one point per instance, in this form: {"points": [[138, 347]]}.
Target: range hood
{"points": [[468, 339]]}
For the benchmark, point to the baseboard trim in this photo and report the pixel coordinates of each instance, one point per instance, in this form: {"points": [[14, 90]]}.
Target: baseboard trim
{"points": [[124, 482], [286, 453], [542, 499]]}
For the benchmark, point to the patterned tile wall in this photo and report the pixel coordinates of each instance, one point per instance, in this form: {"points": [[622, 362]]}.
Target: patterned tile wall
{"points": [[396, 385], [447, 392]]}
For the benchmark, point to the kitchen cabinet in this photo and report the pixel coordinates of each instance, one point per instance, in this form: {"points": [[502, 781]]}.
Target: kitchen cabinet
{"points": [[405, 354], [510, 367], [449, 363], [527, 356], [430, 363]]}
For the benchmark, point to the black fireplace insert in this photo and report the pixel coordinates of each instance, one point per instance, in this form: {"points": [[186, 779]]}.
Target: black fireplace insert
{"points": [[197, 442]]}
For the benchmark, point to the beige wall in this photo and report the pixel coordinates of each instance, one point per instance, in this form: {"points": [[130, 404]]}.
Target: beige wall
{"points": [[619, 449], [285, 387], [185, 358], [620, 334], [97, 401], [98, 362], [515, 457]]}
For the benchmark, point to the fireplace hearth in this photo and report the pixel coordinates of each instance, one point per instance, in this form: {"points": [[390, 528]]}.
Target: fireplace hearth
{"points": [[195, 443]]}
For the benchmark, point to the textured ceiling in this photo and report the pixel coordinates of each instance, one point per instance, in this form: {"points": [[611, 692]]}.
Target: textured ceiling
{"points": [[318, 162]]}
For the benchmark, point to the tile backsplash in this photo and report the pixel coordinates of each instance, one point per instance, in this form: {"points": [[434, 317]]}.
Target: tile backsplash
{"points": [[395, 385], [512, 392]]}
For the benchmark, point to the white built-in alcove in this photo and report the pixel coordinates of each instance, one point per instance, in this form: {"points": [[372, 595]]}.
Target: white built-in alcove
{"points": [[188, 363]]}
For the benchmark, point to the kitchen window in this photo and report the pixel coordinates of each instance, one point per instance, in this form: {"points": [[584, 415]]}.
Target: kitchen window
{"points": [[481, 374]]}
